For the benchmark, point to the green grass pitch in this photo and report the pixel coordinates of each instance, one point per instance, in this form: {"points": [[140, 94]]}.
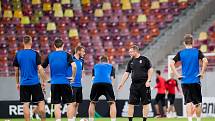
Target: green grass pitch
{"points": [[123, 119]]}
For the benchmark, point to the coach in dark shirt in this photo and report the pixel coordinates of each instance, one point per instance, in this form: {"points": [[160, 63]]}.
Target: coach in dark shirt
{"points": [[141, 69]]}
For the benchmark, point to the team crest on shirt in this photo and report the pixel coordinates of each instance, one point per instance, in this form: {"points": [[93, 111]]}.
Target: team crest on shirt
{"points": [[141, 61]]}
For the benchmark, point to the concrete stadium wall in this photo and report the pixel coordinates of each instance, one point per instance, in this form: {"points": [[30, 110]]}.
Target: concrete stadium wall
{"points": [[8, 88]]}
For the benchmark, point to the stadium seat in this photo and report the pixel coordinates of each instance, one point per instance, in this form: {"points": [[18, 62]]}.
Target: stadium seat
{"points": [[34, 2], [16, 5], [76, 4], [98, 13], [78, 13], [65, 2], [25, 20], [141, 18], [47, 7], [126, 5], [135, 1], [116, 6], [73, 33], [57, 6], [8, 14], [106, 6], [68, 13], [204, 48], [203, 36], [183, 4], [27, 10], [85, 2], [0, 6], [51, 26], [155, 5], [18, 14], [163, 1], [58, 13], [35, 20], [38, 13], [182, 1]]}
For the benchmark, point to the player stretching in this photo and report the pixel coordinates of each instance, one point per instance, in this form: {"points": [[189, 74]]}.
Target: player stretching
{"points": [[103, 76]]}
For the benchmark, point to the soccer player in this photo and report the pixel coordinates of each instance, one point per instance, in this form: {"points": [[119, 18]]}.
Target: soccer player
{"points": [[161, 93], [142, 71], [191, 86], [28, 63], [103, 76], [76, 85], [171, 85], [59, 61]]}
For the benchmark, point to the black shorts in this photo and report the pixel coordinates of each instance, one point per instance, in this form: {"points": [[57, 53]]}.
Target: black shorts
{"points": [[77, 94], [171, 98], [192, 93], [160, 98], [31, 93], [100, 89], [139, 93], [61, 93]]}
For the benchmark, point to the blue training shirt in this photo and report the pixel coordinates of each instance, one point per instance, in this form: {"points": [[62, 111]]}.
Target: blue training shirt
{"points": [[79, 68], [189, 59], [102, 73], [27, 60], [59, 62]]}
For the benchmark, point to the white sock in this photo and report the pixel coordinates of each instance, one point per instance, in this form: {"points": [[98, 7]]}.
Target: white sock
{"points": [[91, 119], [190, 119], [113, 119], [37, 117], [198, 118], [31, 114], [72, 119], [58, 119]]}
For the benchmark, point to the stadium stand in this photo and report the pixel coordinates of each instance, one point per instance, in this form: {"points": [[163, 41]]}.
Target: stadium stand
{"points": [[205, 41], [103, 27]]}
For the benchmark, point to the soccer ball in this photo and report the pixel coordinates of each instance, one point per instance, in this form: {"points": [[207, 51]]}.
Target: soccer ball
{"points": [[83, 119]]}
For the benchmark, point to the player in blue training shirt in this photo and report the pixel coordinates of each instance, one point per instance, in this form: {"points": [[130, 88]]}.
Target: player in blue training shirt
{"points": [[59, 62], [103, 76], [76, 85], [190, 79], [28, 62]]}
